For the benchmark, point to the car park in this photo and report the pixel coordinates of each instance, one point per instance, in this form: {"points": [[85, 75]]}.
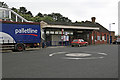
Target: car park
{"points": [[79, 43]]}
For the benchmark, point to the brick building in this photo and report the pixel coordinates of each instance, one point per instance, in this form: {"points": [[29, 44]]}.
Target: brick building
{"points": [[90, 31]]}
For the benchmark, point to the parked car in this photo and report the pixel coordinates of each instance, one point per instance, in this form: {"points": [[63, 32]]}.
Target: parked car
{"points": [[117, 41], [78, 42]]}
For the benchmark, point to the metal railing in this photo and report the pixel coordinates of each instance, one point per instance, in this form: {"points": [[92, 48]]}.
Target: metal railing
{"points": [[57, 43]]}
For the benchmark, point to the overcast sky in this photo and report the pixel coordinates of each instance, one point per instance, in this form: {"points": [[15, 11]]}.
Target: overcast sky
{"points": [[105, 11]]}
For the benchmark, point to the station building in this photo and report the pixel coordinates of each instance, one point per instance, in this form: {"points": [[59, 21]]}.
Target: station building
{"points": [[90, 31]]}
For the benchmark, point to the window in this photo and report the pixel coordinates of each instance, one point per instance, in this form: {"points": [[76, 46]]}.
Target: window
{"points": [[95, 36], [51, 32], [100, 36], [87, 36], [81, 40], [56, 32], [105, 36], [76, 40], [60, 32], [47, 32], [6, 14], [1, 15]]}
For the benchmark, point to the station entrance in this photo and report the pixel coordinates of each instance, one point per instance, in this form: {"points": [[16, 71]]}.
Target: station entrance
{"points": [[57, 37]]}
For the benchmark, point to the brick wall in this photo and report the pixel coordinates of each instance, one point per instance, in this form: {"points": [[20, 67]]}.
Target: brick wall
{"points": [[97, 37], [113, 35]]}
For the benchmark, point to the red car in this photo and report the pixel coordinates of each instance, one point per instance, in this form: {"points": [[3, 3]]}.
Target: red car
{"points": [[78, 42]]}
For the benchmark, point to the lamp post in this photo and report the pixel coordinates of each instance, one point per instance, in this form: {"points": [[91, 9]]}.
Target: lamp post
{"points": [[110, 32], [110, 26], [62, 36]]}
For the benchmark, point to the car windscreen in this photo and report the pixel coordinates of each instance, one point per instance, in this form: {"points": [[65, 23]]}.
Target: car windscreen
{"points": [[81, 40], [75, 40]]}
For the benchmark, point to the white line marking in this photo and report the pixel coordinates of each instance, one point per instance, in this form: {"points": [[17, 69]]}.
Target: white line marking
{"points": [[57, 53], [102, 53], [78, 54], [84, 58]]}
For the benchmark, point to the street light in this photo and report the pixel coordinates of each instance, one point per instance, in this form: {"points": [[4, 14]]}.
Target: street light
{"points": [[110, 26], [110, 32]]}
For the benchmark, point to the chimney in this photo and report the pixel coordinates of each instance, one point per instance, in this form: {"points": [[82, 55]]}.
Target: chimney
{"points": [[93, 19]]}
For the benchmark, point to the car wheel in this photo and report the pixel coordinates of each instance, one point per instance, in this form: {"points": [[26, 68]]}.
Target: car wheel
{"points": [[86, 44], [72, 46]]}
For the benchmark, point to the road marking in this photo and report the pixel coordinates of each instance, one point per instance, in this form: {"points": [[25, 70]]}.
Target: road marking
{"points": [[57, 53], [78, 54], [102, 53], [83, 58]]}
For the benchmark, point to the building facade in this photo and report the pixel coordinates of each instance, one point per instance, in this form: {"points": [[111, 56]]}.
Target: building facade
{"points": [[90, 31]]}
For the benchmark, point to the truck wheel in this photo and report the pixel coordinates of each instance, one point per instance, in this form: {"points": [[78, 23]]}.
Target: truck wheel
{"points": [[19, 47]]}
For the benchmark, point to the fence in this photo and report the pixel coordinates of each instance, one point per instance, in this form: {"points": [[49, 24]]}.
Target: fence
{"points": [[57, 43]]}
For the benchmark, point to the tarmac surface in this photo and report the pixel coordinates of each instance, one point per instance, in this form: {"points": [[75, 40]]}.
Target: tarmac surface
{"points": [[96, 61]]}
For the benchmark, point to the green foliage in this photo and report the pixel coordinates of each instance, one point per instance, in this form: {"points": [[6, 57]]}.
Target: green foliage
{"points": [[22, 10], [40, 14], [53, 17], [46, 18], [29, 13], [14, 9]]}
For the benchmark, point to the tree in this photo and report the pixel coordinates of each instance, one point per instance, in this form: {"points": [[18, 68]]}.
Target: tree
{"points": [[14, 9], [4, 5], [29, 13], [22, 10], [39, 14], [44, 15], [56, 16], [53, 17], [48, 18], [59, 18]]}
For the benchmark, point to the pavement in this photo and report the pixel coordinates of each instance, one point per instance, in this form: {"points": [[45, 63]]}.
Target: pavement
{"points": [[100, 61]]}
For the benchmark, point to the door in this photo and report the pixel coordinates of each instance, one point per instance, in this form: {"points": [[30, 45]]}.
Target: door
{"points": [[110, 39], [107, 38]]}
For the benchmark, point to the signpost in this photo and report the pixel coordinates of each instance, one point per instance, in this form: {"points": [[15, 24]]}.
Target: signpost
{"points": [[62, 36]]}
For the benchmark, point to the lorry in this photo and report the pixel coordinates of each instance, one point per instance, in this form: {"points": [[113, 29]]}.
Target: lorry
{"points": [[19, 35]]}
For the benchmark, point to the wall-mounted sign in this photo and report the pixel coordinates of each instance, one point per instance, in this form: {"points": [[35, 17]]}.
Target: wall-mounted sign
{"points": [[62, 30], [66, 33]]}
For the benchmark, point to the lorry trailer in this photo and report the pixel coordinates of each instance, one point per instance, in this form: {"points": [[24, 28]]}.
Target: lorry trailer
{"points": [[19, 35]]}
